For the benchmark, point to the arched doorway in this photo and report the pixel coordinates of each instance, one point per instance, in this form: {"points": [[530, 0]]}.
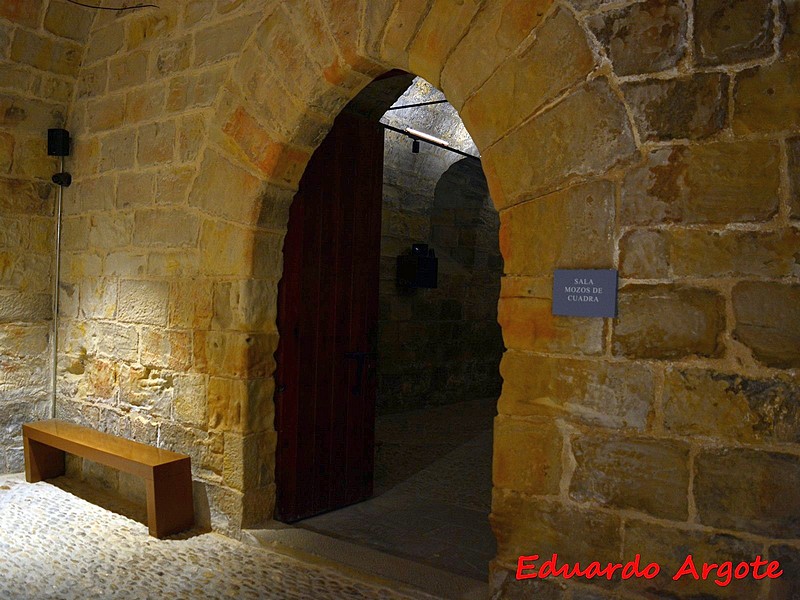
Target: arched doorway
{"points": [[433, 359]]}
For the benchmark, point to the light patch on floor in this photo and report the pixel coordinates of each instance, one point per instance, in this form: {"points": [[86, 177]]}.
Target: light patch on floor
{"points": [[54, 544]]}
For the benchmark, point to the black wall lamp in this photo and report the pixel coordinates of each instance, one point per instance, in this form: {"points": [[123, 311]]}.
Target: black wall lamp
{"points": [[420, 269], [58, 145]]}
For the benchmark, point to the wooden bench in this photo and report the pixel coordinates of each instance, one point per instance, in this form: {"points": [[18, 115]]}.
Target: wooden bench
{"points": [[168, 475]]}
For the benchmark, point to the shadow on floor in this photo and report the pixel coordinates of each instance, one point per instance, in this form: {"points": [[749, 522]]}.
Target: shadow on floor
{"points": [[432, 491]]}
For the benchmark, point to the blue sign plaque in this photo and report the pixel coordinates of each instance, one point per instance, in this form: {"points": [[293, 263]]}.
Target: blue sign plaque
{"points": [[585, 292]]}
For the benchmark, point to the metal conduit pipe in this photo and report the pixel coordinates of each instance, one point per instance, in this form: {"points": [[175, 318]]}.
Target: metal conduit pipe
{"points": [[56, 294]]}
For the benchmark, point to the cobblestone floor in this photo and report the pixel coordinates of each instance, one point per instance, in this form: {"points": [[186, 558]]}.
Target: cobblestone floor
{"points": [[56, 545]]}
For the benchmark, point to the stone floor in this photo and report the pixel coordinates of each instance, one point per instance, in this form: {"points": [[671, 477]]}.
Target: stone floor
{"points": [[54, 544], [433, 490], [64, 540]]}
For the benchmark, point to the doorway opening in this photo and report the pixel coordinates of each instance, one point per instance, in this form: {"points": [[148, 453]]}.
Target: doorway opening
{"points": [[420, 487]]}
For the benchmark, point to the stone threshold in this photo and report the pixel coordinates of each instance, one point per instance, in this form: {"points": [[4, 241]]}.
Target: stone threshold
{"points": [[365, 563]]}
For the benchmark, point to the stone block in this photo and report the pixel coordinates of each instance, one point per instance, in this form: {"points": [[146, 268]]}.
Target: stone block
{"points": [[110, 230], [61, 57], [720, 182], [240, 405], [173, 184], [223, 40], [6, 152], [166, 349], [156, 143], [54, 87], [75, 233], [790, 45], [86, 152], [135, 189], [442, 28], [106, 113], [525, 526], [118, 150], [669, 546], [219, 179], [506, 23], [191, 133], [190, 304], [67, 20], [692, 107], [732, 407], [98, 299], [24, 12], [788, 584], [191, 400], [773, 254], [225, 248], [655, 28], [614, 395], [25, 114], [528, 324], [194, 91], [767, 98], [245, 462], [398, 33], [21, 197], [667, 322], [149, 26], [539, 157], [172, 57], [114, 341], [572, 228], [748, 490], [24, 340], [527, 455], [95, 194], [151, 391], [30, 161], [729, 31], [794, 177], [173, 263], [93, 81], [144, 103], [143, 302], [650, 476], [124, 264], [768, 321], [235, 354], [644, 254], [106, 41], [558, 59], [127, 70], [12, 233], [248, 305], [165, 227]]}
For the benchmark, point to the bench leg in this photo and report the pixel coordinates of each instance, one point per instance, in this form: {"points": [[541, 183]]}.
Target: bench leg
{"points": [[42, 461], [169, 501]]}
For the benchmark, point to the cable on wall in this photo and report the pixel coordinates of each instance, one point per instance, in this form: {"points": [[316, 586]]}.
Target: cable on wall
{"points": [[111, 7]]}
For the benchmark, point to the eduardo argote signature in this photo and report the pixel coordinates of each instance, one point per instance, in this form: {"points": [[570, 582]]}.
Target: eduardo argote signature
{"points": [[722, 573]]}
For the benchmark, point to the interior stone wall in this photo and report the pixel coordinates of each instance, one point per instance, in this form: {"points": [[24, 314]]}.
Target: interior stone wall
{"points": [[41, 45], [655, 136], [443, 345]]}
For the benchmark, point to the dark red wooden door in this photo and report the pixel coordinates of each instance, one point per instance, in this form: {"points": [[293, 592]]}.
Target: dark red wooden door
{"points": [[327, 319]]}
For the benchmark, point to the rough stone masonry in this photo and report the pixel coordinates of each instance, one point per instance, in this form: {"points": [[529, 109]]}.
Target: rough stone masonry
{"points": [[659, 137]]}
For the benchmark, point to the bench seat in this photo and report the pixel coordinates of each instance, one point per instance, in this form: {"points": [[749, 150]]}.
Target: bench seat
{"points": [[167, 475]]}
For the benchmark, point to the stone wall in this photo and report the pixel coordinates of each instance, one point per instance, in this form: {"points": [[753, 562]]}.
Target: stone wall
{"points": [[41, 45], [655, 136], [443, 345]]}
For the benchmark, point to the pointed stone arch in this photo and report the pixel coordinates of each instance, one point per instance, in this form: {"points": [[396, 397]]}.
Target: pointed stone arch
{"points": [[609, 138]]}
